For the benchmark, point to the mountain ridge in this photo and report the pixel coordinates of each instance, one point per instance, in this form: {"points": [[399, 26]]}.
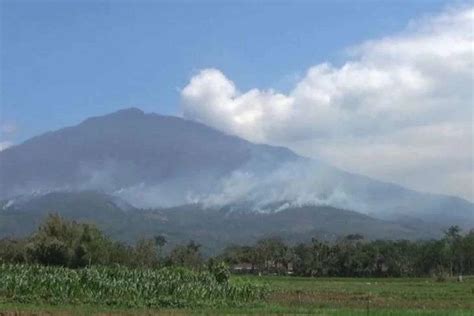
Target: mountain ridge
{"points": [[213, 228], [153, 161]]}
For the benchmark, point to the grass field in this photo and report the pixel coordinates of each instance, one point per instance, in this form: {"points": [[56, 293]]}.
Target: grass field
{"points": [[319, 296], [376, 296]]}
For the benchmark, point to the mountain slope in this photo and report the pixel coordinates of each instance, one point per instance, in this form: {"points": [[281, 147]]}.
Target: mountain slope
{"points": [[123, 149], [154, 161], [214, 229], [21, 216]]}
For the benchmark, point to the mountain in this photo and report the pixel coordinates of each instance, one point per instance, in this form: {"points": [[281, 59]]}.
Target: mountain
{"points": [[21, 216], [125, 149], [213, 228], [149, 161]]}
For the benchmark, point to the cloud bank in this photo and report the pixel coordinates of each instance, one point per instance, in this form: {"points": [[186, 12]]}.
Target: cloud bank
{"points": [[399, 108]]}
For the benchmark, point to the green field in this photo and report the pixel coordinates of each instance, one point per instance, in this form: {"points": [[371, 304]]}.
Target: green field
{"points": [[286, 295], [378, 296]]}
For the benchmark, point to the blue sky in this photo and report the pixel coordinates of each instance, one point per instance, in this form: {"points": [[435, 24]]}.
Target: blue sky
{"points": [[63, 61]]}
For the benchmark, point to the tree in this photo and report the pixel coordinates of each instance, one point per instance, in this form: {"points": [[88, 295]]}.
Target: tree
{"points": [[68, 243], [160, 242], [13, 250], [467, 248], [145, 253], [186, 256], [303, 258], [274, 253], [54, 243], [452, 237]]}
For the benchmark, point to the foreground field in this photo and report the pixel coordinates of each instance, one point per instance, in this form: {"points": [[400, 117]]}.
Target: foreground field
{"points": [[320, 296], [374, 295], [120, 287]]}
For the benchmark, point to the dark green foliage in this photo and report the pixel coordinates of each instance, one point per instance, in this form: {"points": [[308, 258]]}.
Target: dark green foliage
{"points": [[60, 242], [214, 229], [220, 270], [13, 250], [122, 287], [145, 254], [186, 256], [355, 257], [70, 244]]}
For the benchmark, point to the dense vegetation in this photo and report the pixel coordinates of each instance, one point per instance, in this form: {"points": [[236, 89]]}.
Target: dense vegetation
{"points": [[353, 256], [124, 287], [65, 263], [70, 244], [290, 295], [72, 263], [214, 229]]}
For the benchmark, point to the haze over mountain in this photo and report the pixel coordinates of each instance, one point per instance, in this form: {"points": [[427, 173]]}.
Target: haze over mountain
{"points": [[213, 228], [131, 152], [153, 161]]}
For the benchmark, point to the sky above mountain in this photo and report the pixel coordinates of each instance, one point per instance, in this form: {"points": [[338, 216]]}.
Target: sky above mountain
{"points": [[381, 88]]}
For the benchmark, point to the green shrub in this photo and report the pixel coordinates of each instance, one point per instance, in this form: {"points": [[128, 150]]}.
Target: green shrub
{"points": [[125, 287], [220, 271]]}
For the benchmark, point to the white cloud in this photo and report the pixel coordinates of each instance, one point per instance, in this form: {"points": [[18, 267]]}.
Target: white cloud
{"points": [[399, 109], [435, 158]]}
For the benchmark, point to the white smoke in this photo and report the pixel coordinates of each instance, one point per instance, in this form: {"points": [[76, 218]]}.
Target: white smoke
{"points": [[292, 184]]}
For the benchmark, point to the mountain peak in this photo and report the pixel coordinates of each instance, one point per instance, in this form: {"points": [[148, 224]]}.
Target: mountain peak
{"points": [[121, 115], [133, 111]]}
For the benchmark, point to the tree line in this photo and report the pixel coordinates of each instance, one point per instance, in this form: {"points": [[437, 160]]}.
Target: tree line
{"points": [[353, 256], [71, 244]]}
